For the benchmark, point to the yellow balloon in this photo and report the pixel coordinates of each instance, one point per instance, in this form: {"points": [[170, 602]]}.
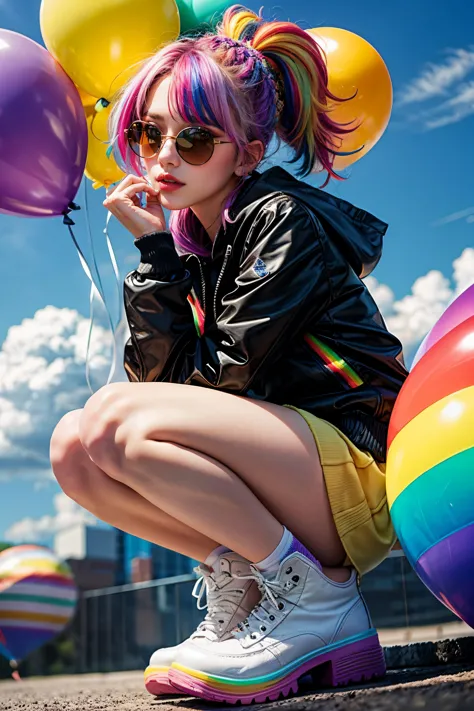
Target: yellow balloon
{"points": [[100, 43], [355, 66], [102, 170], [86, 99]]}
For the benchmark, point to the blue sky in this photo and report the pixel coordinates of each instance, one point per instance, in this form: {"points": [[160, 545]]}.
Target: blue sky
{"points": [[418, 179]]}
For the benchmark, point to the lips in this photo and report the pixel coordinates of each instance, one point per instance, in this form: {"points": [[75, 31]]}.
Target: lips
{"points": [[169, 180]]}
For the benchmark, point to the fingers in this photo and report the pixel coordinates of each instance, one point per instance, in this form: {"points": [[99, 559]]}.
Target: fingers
{"points": [[127, 182], [124, 202], [138, 188], [124, 192], [123, 184], [156, 197]]}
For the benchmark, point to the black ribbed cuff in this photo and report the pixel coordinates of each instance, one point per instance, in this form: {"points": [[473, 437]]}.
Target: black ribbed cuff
{"points": [[159, 258]]}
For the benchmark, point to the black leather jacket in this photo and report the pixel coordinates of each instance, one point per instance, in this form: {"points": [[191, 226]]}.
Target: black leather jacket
{"points": [[287, 317]]}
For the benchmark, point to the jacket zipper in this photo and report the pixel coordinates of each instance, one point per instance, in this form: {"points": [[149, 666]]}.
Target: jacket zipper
{"points": [[228, 250], [203, 284]]}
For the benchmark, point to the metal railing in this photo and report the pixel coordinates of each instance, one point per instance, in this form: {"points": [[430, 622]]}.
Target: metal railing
{"points": [[119, 628]]}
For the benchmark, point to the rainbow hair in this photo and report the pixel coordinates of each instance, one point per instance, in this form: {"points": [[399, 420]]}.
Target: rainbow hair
{"points": [[252, 79]]}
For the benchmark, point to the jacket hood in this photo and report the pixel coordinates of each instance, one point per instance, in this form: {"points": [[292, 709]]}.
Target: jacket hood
{"points": [[357, 234]]}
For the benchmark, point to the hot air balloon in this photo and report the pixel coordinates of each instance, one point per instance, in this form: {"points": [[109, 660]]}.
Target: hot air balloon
{"points": [[38, 598]]}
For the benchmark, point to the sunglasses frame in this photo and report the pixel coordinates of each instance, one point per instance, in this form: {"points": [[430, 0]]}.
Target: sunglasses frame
{"points": [[164, 137]]}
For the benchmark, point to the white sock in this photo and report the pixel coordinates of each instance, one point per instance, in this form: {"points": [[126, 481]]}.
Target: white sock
{"points": [[211, 559], [272, 562]]}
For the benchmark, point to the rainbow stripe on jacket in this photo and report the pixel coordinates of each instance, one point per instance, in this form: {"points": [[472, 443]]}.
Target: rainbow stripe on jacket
{"points": [[333, 361]]}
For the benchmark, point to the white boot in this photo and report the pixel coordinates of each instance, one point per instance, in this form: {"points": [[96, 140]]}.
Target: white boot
{"points": [[231, 594], [304, 623]]}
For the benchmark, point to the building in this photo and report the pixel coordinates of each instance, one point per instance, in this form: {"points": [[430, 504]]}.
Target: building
{"points": [[129, 548], [83, 541], [91, 553], [167, 564], [104, 556], [164, 563]]}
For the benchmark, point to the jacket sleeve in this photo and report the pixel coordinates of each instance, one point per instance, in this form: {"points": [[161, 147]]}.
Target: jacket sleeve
{"points": [[281, 283]]}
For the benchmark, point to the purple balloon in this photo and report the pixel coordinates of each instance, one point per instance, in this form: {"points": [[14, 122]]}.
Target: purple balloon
{"points": [[447, 569], [43, 130], [461, 309]]}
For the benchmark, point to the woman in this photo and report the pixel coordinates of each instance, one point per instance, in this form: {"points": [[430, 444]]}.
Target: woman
{"points": [[271, 471]]}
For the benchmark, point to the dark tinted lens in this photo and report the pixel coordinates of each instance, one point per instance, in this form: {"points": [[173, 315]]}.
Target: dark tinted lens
{"points": [[144, 139], [195, 145]]}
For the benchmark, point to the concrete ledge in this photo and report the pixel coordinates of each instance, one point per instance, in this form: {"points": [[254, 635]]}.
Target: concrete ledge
{"points": [[390, 636], [431, 654]]}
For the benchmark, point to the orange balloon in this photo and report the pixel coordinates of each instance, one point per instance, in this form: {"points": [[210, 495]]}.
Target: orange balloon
{"points": [[355, 67]]}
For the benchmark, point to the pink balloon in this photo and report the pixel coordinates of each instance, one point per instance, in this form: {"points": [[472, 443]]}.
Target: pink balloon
{"points": [[457, 312]]}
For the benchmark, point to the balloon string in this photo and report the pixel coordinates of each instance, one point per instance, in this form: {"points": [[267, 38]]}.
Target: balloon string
{"points": [[102, 291], [115, 267], [95, 291], [91, 242], [99, 106], [118, 288]]}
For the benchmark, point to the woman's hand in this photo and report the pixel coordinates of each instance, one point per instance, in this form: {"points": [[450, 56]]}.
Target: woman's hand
{"points": [[123, 202]]}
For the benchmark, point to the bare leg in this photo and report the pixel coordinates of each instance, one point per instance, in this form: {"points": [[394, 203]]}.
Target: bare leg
{"points": [[112, 501], [232, 468]]}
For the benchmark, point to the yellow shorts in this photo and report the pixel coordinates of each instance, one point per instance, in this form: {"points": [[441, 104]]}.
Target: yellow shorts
{"points": [[355, 483]]}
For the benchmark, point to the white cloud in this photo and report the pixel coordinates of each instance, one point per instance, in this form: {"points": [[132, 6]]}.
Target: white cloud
{"points": [[41, 530], [467, 214], [411, 317], [441, 81], [436, 79], [42, 376], [459, 107], [463, 270]]}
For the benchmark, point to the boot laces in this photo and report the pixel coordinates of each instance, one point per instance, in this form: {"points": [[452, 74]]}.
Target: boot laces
{"points": [[221, 600], [273, 591]]}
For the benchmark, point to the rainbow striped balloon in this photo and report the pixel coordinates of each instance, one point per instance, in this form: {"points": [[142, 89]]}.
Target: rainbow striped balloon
{"points": [[430, 469], [38, 598]]}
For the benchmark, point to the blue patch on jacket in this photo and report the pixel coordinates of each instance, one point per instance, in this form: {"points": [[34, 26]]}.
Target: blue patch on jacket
{"points": [[260, 268]]}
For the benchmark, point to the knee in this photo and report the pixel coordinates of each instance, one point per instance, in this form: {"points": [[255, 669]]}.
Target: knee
{"points": [[67, 456], [104, 427], [65, 440]]}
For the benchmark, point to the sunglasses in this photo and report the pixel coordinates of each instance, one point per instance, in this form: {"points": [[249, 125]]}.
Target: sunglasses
{"points": [[194, 145]]}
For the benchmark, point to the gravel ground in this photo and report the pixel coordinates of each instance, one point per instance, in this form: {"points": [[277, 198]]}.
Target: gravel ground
{"points": [[446, 689]]}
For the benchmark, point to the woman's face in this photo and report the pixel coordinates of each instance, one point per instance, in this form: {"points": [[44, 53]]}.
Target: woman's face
{"points": [[202, 185]]}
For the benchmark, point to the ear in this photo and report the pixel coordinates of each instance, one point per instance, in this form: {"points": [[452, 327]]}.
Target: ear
{"points": [[255, 150]]}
